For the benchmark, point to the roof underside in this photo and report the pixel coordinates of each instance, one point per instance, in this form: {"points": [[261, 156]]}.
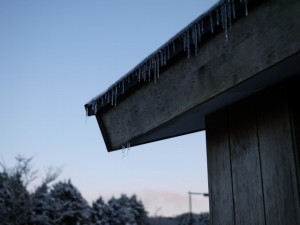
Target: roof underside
{"points": [[194, 119]]}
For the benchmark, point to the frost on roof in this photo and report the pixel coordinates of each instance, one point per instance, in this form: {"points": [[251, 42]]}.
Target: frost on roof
{"points": [[219, 16]]}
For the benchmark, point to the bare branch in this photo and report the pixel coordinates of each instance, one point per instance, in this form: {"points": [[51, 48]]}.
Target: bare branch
{"points": [[51, 174]]}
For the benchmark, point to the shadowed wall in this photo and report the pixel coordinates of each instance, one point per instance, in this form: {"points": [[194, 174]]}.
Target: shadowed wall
{"points": [[253, 166]]}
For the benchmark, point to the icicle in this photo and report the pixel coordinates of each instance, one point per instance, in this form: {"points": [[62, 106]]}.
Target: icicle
{"points": [[95, 107], [123, 151], [123, 86], [157, 66], [116, 95], [199, 31], [87, 112], [195, 38], [158, 69], [148, 70], [224, 19], [139, 74], [186, 42], [144, 74], [153, 66], [233, 8], [168, 52], [173, 46], [128, 148], [161, 57], [108, 95], [229, 14], [165, 56], [211, 23], [112, 97], [102, 99], [218, 16], [202, 27], [246, 7]]}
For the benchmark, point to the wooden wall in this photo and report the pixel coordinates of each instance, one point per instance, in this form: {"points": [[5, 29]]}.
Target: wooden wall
{"points": [[253, 159]]}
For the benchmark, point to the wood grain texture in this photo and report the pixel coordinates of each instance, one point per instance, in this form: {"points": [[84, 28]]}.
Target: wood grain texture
{"points": [[195, 80], [219, 170], [246, 171], [294, 107], [277, 158]]}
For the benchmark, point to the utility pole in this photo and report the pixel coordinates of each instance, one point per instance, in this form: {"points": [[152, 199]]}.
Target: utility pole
{"points": [[190, 201]]}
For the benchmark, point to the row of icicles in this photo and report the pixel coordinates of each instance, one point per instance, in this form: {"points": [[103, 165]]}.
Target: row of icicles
{"points": [[148, 70]]}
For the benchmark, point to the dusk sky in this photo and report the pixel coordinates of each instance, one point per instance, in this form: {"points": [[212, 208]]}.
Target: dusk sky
{"points": [[56, 55]]}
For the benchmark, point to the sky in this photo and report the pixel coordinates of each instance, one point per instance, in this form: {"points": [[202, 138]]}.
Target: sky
{"points": [[57, 55]]}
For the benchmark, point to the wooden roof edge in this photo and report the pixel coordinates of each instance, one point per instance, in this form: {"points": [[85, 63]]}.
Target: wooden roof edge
{"points": [[184, 44]]}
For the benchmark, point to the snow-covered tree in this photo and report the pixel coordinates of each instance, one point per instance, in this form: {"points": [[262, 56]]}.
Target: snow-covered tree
{"points": [[68, 207], [15, 203], [100, 212], [126, 211], [41, 207], [60, 204], [139, 211], [15, 206]]}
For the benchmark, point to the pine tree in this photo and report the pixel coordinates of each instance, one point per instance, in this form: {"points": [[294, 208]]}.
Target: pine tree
{"points": [[68, 206], [41, 208], [15, 207], [100, 212], [127, 211]]}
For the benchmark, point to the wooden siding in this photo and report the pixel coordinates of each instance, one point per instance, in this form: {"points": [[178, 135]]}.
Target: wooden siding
{"points": [[246, 172], [218, 162], [294, 104], [256, 139]]}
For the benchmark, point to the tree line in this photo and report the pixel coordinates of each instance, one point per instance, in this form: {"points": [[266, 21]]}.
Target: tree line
{"points": [[63, 204]]}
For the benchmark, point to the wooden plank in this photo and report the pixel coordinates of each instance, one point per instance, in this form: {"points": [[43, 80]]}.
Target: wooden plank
{"points": [[198, 79], [219, 169], [294, 106], [246, 172], [277, 158]]}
